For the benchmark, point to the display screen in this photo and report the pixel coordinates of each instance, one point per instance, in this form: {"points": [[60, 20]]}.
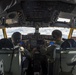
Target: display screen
{"points": [[40, 42], [33, 43], [36, 43]]}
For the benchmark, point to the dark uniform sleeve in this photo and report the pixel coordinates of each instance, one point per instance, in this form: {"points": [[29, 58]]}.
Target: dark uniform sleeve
{"points": [[27, 52]]}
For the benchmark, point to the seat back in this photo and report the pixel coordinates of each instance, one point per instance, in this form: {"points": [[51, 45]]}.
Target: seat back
{"points": [[62, 57], [68, 51], [6, 56], [69, 43], [1, 68], [67, 58], [36, 61], [53, 62]]}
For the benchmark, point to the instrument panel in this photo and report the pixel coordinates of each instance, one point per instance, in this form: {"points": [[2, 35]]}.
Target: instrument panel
{"points": [[36, 40], [46, 37]]}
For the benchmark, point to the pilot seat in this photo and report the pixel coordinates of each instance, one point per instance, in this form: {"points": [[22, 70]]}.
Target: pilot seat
{"points": [[67, 57], [36, 62], [11, 58]]}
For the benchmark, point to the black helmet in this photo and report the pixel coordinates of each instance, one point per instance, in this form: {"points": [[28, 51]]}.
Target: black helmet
{"points": [[16, 37]]}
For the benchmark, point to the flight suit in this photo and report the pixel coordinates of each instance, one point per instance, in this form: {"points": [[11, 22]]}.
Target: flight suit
{"points": [[51, 55]]}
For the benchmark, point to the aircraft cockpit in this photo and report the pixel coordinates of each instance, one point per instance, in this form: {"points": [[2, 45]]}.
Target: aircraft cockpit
{"points": [[36, 41], [35, 20]]}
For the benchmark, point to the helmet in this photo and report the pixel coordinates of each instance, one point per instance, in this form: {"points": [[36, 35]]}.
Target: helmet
{"points": [[16, 37], [56, 34]]}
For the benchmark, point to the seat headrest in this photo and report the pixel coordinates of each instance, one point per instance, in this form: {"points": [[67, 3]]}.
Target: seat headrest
{"points": [[69, 43], [6, 43]]}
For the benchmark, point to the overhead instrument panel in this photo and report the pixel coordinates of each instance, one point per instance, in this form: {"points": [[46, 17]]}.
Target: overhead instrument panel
{"points": [[43, 13], [39, 11]]}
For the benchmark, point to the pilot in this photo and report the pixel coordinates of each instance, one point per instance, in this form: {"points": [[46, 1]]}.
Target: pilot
{"points": [[17, 42], [57, 36]]}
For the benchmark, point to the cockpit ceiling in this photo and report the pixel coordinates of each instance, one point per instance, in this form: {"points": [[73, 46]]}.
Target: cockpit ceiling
{"points": [[31, 13], [67, 1]]}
